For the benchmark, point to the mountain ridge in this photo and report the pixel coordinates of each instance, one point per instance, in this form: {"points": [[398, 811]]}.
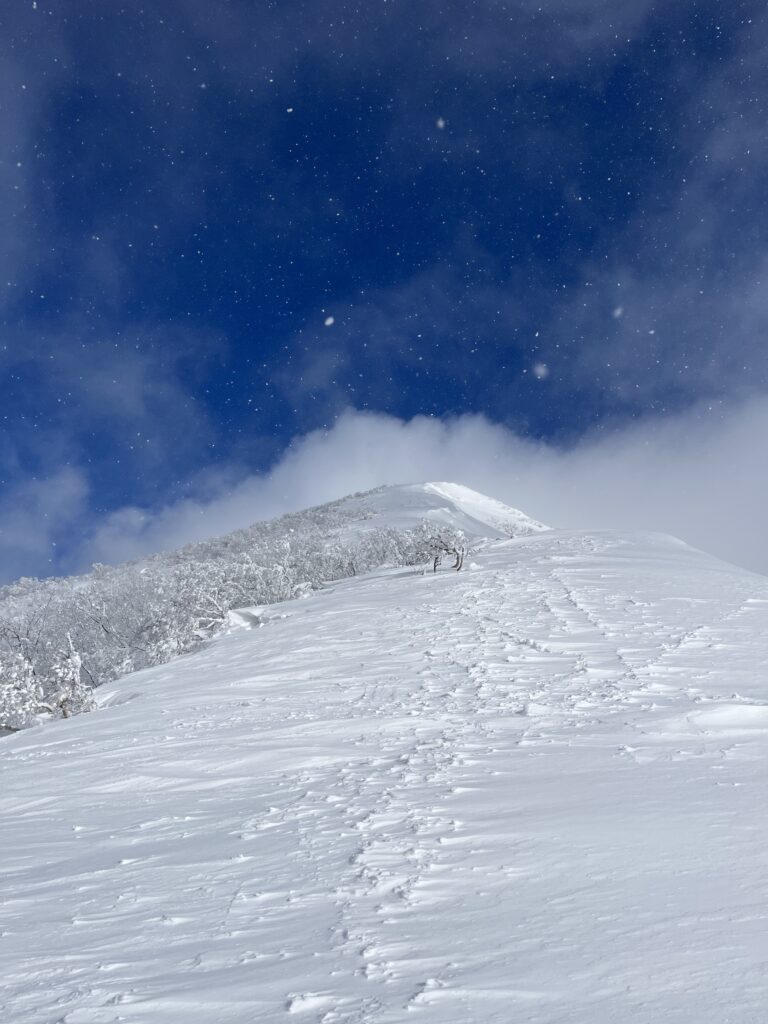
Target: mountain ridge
{"points": [[444, 503], [58, 637]]}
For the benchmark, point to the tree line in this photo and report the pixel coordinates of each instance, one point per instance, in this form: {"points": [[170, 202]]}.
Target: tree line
{"points": [[61, 638]]}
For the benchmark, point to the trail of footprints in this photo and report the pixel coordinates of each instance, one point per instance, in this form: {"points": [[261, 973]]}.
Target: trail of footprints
{"points": [[395, 804], [539, 652]]}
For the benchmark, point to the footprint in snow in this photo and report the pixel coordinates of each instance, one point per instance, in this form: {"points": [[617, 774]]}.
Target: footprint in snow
{"points": [[305, 1002]]}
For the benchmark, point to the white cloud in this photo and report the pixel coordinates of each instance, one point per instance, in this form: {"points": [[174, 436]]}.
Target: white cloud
{"points": [[33, 516], [699, 476]]}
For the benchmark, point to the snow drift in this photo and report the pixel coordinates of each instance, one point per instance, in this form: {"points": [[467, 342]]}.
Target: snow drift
{"points": [[529, 791]]}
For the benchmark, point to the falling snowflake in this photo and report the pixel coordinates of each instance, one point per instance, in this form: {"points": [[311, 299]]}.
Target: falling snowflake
{"points": [[540, 371], [329, 321]]}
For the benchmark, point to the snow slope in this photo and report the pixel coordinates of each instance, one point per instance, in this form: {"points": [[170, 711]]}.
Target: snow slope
{"points": [[532, 791], [404, 506]]}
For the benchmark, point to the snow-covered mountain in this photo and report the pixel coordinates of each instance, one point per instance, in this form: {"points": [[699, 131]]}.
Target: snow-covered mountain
{"points": [[532, 790], [448, 505], [60, 637]]}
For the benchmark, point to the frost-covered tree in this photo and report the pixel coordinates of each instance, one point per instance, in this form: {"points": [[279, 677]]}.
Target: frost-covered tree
{"points": [[61, 637], [25, 695], [452, 546], [68, 694], [20, 692]]}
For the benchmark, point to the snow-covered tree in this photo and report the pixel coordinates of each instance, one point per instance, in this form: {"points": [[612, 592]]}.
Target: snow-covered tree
{"points": [[68, 694], [61, 637], [20, 692]]}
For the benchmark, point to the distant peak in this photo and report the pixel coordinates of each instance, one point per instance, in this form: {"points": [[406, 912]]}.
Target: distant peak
{"points": [[451, 504]]}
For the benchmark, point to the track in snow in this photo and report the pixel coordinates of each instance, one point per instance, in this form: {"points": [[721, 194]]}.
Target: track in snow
{"points": [[532, 791]]}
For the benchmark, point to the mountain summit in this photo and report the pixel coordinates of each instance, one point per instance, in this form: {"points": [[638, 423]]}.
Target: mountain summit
{"points": [[530, 790], [403, 506]]}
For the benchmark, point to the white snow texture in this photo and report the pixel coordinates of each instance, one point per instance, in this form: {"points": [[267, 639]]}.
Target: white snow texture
{"points": [[529, 791]]}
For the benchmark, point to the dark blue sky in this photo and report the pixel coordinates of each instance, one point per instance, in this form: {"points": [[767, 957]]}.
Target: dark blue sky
{"points": [[553, 214]]}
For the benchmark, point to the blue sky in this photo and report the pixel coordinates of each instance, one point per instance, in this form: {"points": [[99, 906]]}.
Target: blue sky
{"points": [[225, 226]]}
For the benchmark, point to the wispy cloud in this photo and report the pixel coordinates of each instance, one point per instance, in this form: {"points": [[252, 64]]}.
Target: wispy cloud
{"points": [[37, 516], [120, 405]]}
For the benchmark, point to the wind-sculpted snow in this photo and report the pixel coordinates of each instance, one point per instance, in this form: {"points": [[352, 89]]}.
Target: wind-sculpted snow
{"points": [[447, 505], [117, 620], [530, 791]]}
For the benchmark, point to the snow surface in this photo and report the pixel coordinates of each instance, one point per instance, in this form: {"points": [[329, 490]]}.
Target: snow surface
{"points": [[404, 506], [532, 791]]}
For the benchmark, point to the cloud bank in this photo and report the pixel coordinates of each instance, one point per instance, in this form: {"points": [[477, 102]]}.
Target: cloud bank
{"points": [[699, 476]]}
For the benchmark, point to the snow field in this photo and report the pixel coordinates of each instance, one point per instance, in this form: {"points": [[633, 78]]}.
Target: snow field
{"points": [[532, 791]]}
